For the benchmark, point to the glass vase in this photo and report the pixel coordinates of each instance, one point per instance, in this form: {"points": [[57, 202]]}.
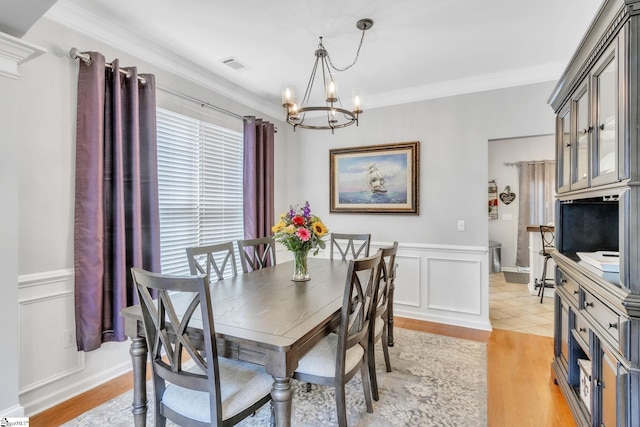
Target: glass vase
{"points": [[300, 272]]}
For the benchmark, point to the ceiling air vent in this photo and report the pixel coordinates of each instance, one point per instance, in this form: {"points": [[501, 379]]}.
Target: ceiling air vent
{"points": [[234, 63]]}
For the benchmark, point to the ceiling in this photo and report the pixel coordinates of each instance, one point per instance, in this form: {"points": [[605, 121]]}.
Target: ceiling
{"points": [[417, 49]]}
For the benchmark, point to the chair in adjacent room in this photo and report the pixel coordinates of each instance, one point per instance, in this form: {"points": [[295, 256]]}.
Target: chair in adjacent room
{"points": [[192, 386], [548, 246], [350, 246], [216, 259], [339, 356], [379, 323], [257, 253]]}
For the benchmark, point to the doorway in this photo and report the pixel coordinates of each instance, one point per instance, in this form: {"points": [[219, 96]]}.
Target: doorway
{"points": [[511, 305]]}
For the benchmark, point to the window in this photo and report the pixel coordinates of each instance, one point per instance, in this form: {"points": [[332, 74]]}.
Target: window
{"points": [[200, 186]]}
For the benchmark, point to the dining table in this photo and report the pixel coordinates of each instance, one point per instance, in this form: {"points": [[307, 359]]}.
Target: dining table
{"points": [[261, 317]]}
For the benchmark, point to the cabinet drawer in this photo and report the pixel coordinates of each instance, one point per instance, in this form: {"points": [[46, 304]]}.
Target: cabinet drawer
{"points": [[571, 286], [608, 320], [581, 328]]}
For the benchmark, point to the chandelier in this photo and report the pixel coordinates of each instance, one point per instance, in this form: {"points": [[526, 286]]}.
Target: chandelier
{"points": [[336, 115]]}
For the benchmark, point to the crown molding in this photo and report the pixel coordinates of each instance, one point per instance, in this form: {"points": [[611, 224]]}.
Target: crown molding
{"points": [[14, 52], [480, 83], [74, 17]]}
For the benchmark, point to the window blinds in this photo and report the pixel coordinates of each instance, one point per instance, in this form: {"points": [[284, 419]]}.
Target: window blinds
{"points": [[200, 186]]}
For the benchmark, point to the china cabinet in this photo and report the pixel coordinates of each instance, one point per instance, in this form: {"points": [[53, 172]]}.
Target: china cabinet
{"points": [[597, 305]]}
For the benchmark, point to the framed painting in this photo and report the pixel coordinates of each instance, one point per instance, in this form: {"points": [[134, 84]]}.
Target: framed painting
{"points": [[375, 179]]}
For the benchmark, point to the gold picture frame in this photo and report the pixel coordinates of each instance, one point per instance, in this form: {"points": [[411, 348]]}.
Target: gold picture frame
{"points": [[379, 179]]}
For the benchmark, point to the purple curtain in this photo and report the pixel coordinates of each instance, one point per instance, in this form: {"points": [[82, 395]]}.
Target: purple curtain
{"points": [[117, 224], [258, 177]]}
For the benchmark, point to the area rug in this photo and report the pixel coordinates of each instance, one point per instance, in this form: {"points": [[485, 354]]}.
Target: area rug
{"points": [[436, 381], [514, 277]]}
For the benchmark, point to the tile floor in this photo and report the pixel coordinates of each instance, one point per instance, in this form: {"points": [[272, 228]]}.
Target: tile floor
{"points": [[512, 307]]}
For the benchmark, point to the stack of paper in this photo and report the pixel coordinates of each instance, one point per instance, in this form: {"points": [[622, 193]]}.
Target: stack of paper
{"points": [[603, 260]]}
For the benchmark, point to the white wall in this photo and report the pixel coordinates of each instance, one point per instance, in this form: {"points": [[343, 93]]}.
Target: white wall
{"points": [[505, 229], [443, 274], [453, 134]]}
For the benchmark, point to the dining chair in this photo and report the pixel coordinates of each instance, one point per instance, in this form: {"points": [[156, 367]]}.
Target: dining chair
{"points": [[192, 386], [210, 259], [257, 253], [350, 246], [339, 356], [378, 330]]}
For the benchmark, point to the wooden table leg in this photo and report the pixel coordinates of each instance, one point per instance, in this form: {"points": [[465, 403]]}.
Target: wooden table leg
{"points": [[138, 352], [282, 395]]}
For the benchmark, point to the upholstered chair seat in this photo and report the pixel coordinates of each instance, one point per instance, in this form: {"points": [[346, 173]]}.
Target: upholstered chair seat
{"points": [[241, 384]]}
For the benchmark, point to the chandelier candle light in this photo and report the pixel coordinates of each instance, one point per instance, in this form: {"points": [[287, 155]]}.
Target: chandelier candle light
{"points": [[336, 115], [300, 231]]}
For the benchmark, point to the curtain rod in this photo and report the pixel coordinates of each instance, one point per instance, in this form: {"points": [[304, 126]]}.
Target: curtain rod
{"points": [[533, 162], [197, 101], [86, 58]]}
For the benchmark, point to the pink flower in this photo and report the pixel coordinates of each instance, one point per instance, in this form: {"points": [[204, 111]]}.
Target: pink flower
{"points": [[303, 234]]}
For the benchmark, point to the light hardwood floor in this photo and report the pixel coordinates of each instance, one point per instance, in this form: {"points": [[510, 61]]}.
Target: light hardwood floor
{"points": [[521, 391]]}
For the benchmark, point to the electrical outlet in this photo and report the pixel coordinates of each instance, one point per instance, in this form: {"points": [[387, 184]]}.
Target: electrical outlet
{"points": [[69, 339], [461, 225]]}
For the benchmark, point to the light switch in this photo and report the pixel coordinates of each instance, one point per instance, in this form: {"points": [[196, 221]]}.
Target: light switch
{"points": [[461, 225]]}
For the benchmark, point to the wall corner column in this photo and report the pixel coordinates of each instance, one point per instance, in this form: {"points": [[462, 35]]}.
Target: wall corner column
{"points": [[13, 52]]}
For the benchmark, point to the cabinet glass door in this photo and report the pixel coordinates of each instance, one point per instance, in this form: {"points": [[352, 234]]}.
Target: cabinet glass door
{"points": [[580, 155], [563, 145], [605, 130]]}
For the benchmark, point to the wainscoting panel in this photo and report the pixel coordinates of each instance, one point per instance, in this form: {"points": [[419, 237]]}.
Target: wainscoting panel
{"points": [[407, 272], [47, 329], [453, 292], [443, 284]]}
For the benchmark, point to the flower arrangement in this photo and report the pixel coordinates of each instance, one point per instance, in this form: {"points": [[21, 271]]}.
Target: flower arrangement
{"points": [[299, 230]]}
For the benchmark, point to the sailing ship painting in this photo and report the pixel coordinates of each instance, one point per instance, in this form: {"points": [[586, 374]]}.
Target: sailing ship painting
{"points": [[380, 178], [374, 179]]}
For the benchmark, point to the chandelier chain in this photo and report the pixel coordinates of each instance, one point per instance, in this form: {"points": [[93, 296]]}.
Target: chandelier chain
{"points": [[338, 69], [337, 117]]}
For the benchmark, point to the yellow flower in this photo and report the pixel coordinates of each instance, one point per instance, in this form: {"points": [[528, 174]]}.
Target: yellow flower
{"points": [[279, 226], [289, 229], [319, 228]]}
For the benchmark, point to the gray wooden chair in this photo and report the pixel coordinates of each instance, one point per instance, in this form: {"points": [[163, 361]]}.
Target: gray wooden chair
{"points": [[213, 259], [192, 386], [257, 253], [379, 324], [338, 356], [350, 246]]}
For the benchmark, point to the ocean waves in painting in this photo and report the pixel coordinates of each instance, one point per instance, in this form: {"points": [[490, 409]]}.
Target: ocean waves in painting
{"points": [[367, 197]]}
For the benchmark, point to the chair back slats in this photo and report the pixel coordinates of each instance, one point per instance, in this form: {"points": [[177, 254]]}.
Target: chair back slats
{"points": [[166, 333], [387, 275], [350, 246], [256, 254], [357, 306], [213, 260]]}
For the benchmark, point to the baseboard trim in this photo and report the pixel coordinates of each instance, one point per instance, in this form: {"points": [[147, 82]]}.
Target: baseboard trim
{"points": [[16, 411]]}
